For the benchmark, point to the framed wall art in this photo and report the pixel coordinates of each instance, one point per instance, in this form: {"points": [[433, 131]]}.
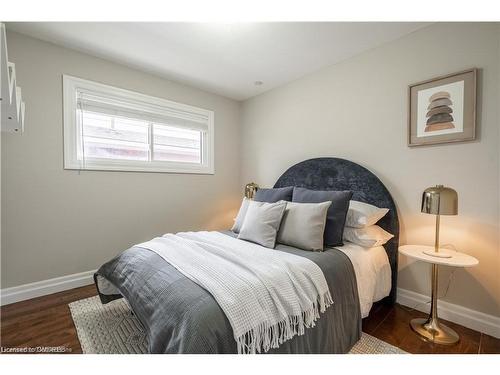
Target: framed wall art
{"points": [[443, 109]]}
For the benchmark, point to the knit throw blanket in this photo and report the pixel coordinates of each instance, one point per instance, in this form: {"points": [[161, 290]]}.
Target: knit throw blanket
{"points": [[268, 296]]}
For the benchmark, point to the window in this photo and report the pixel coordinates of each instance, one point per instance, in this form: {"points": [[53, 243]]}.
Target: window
{"points": [[106, 128]]}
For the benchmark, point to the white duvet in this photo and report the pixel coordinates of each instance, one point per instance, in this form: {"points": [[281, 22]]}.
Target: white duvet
{"points": [[373, 273]]}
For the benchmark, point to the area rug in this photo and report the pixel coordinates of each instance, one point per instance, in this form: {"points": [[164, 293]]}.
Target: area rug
{"points": [[113, 329]]}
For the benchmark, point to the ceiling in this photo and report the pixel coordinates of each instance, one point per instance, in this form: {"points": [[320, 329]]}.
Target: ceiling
{"points": [[224, 58]]}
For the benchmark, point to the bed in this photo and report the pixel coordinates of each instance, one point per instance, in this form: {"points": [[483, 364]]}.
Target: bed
{"points": [[180, 316]]}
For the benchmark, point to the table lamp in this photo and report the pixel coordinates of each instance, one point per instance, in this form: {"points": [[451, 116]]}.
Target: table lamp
{"points": [[250, 189], [439, 200]]}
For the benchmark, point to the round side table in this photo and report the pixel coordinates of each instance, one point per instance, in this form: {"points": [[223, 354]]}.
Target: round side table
{"points": [[430, 329]]}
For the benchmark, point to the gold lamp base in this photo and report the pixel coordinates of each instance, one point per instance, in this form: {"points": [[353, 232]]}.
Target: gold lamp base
{"points": [[432, 331]]}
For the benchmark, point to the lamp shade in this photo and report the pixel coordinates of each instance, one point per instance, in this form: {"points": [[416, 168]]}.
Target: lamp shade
{"points": [[440, 200]]}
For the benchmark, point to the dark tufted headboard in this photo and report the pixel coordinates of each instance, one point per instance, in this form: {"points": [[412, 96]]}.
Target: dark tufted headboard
{"points": [[341, 174]]}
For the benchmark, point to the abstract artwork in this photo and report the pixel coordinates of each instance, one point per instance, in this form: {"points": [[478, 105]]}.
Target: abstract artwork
{"points": [[439, 116], [442, 109]]}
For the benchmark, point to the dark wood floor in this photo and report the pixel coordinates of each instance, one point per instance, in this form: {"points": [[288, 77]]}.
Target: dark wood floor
{"points": [[46, 322], [391, 324]]}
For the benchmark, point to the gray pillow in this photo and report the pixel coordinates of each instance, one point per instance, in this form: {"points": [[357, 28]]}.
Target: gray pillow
{"points": [[303, 225], [335, 218], [274, 195], [238, 222], [262, 222]]}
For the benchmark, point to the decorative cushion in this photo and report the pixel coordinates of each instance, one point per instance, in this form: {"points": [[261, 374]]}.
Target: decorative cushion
{"points": [[262, 222], [362, 215], [274, 195], [303, 225], [238, 222], [367, 237], [335, 219]]}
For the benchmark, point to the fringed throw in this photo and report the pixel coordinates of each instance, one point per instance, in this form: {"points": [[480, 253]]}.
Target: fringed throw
{"points": [[268, 296]]}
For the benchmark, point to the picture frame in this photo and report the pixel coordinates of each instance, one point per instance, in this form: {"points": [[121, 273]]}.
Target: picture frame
{"points": [[443, 109]]}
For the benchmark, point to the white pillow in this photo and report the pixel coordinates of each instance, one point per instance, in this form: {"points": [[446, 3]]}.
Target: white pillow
{"points": [[238, 222], [303, 225], [367, 237], [262, 222], [240, 218], [361, 215]]}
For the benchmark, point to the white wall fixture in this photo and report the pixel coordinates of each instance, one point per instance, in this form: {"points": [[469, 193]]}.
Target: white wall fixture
{"points": [[12, 105]]}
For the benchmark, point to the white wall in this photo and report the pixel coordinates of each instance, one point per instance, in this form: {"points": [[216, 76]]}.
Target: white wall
{"points": [[357, 110], [57, 222]]}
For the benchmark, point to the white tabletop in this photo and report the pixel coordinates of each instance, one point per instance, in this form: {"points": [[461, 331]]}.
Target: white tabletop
{"points": [[456, 258]]}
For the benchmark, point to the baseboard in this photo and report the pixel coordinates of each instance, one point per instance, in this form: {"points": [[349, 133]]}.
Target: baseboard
{"points": [[464, 316], [476, 320], [44, 287]]}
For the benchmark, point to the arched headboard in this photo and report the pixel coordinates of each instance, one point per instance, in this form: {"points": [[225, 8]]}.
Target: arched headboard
{"points": [[341, 174]]}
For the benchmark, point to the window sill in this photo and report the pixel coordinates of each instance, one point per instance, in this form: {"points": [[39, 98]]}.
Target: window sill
{"points": [[91, 166]]}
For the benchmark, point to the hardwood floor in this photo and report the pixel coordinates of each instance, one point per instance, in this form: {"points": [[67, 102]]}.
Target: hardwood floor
{"points": [[43, 321], [46, 322], [391, 324]]}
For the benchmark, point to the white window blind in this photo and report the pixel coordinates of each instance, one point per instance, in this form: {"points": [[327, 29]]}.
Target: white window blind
{"points": [[113, 129]]}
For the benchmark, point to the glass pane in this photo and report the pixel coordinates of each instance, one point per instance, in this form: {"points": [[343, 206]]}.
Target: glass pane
{"points": [[110, 137], [176, 144]]}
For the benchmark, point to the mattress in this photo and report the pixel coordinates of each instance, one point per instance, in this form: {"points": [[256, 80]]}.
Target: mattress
{"points": [[373, 273]]}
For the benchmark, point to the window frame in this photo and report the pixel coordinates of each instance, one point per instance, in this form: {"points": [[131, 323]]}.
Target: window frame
{"points": [[71, 85]]}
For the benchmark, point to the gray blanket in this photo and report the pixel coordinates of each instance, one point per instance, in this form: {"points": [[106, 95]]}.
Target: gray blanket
{"points": [[179, 316]]}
